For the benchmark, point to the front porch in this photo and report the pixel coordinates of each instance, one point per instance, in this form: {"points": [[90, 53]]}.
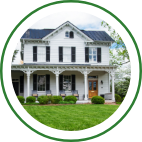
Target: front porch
{"points": [[83, 74]]}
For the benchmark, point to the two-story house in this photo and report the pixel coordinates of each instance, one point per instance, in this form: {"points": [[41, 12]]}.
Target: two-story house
{"points": [[65, 58]]}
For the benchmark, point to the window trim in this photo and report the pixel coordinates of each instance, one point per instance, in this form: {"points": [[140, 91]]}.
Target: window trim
{"points": [[37, 82], [93, 54], [71, 83], [63, 54], [68, 34], [38, 54]]}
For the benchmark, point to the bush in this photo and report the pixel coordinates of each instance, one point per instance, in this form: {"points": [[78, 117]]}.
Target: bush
{"points": [[30, 99], [43, 99], [56, 99], [123, 99], [70, 98], [21, 99], [49, 98], [97, 100], [30, 103], [117, 98]]}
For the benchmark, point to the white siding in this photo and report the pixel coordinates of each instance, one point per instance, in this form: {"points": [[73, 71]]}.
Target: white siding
{"points": [[59, 39]]}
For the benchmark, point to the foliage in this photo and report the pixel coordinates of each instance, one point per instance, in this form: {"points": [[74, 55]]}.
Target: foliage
{"points": [[43, 99], [122, 53], [14, 54], [21, 99], [117, 98], [30, 99], [121, 87], [97, 100], [118, 103], [56, 99], [49, 98], [66, 102], [70, 98]]}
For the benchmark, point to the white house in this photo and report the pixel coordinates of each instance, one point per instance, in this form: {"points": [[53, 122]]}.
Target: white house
{"points": [[65, 58]]}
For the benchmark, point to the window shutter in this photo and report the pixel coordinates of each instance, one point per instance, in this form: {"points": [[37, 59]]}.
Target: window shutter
{"points": [[60, 82], [99, 55], [34, 53], [60, 54], [47, 82], [34, 81], [21, 84], [47, 53], [73, 54], [73, 82], [86, 54], [71, 34]]}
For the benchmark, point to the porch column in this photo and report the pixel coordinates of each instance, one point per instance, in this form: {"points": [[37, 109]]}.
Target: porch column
{"points": [[85, 85], [57, 84], [28, 84], [113, 89], [109, 82]]}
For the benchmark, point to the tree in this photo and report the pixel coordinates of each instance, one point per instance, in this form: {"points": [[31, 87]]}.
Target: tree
{"points": [[122, 56], [14, 54]]}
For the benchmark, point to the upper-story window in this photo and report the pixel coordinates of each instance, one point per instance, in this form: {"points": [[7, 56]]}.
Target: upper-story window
{"points": [[41, 56], [69, 34], [92, 54], [66, 54]]}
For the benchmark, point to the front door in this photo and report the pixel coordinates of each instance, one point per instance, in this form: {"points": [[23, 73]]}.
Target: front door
{"points": [[93, 88], [16, 87]]}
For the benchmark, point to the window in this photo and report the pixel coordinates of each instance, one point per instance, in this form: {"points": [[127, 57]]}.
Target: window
{"points": [[92, 54], [41, 82], [67, 34], [93, 77], [66, 54], [41, 56], [67, 83]]}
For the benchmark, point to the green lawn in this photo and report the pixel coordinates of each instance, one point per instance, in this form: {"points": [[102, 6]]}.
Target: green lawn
{"points": [[71, 117]]}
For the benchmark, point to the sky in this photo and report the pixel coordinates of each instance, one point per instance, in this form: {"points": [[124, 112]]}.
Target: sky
{"points": [[83, 21]]}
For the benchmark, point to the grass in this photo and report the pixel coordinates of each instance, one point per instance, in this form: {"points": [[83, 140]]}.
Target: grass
{"points": [[71, 117], [118, 103]]}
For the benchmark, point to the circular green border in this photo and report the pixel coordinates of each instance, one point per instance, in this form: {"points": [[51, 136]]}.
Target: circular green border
{"points": [[60, 2]]}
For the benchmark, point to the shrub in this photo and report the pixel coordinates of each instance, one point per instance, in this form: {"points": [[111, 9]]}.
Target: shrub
{"points": [[70, 98], [30, 99], [43, 99], [97, 100], [56, 99], [30, 103], [117, 98], [49, 98], [21, 99], [123, 98]]}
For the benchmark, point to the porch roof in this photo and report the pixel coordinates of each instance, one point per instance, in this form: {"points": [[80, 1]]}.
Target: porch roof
{"points": [[60, 65]]}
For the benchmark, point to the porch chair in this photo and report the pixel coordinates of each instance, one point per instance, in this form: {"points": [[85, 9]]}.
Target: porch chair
{"points": [[34, 93], [48, 93], [62, 93], [75, 93]]}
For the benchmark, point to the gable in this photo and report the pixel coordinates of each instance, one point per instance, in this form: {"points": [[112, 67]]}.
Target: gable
{"points": [[61, 35]]}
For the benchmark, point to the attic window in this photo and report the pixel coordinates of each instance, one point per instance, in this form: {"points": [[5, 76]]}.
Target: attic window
{"points": [[67, 34]]}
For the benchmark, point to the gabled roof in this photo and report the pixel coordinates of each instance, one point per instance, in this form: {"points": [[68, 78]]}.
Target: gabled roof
{"points": [[42, 33]]}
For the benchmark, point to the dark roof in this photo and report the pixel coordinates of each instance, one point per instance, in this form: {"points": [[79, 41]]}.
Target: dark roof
{"points": [[40, 33]]}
